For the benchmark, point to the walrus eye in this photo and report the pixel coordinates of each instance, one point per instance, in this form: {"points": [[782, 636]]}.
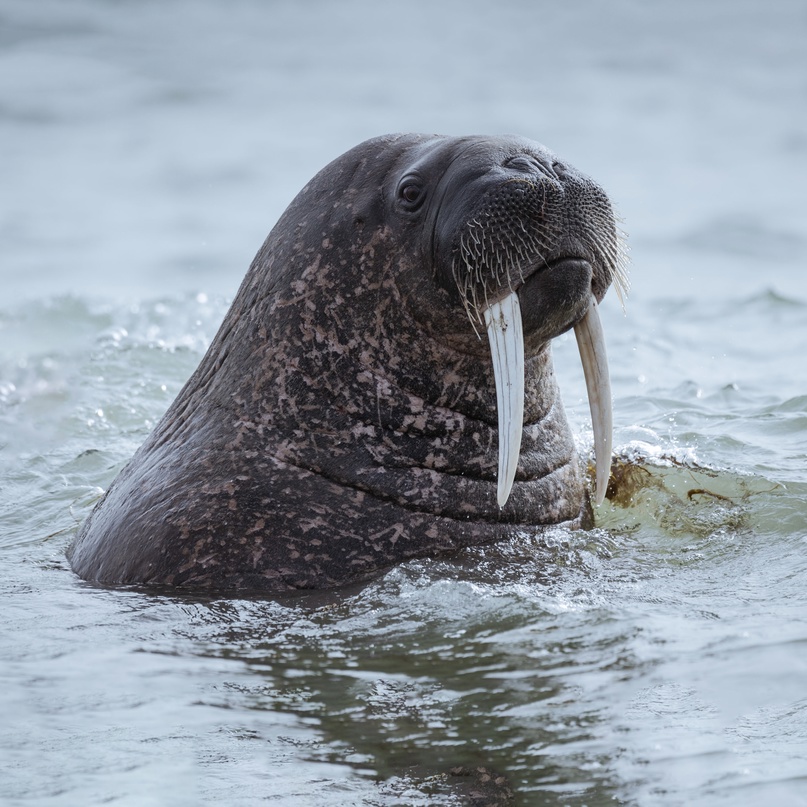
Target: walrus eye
{"points": [[411, 193]]}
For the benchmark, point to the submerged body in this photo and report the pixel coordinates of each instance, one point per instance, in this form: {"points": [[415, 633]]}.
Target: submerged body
{"points": [[345, 416]]}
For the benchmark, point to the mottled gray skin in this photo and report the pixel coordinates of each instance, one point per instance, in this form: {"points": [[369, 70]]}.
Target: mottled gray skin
{"points": [[344, 418]]}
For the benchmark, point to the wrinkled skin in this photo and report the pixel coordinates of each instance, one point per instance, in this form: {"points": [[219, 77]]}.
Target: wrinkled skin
{"points": [[344, 417]]}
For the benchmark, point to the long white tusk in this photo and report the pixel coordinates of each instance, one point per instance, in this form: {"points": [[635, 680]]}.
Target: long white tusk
{"points": [[591, 344], [503, 321]]}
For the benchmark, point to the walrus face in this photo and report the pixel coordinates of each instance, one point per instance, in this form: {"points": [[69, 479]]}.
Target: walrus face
{"points": [[525, 247]]}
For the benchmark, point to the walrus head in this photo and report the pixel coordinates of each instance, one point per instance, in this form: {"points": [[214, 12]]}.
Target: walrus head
{"points": [[348, 412], [528, 247]]}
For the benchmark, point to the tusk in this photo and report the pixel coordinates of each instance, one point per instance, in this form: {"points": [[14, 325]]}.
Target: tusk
{"points": [[591, 344], [503, 321]]}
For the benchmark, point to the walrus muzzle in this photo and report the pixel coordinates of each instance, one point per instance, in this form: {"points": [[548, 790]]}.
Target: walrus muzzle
{"points": [[535, 256]]}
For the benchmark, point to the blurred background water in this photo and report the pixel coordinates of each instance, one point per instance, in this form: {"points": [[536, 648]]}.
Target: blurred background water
{"points": [[659, 659]]}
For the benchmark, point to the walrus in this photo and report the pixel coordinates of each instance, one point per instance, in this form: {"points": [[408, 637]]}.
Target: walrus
{"points": [[350, 413]]}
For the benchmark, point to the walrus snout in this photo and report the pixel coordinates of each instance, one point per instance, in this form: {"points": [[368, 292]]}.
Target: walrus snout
{"points": [[532, 224]]}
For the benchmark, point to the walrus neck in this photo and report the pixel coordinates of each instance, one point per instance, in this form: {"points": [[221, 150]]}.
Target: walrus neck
{"points": [[350, 387], [416, 428]]}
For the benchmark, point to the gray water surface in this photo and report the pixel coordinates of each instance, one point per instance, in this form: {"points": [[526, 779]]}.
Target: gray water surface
{"points": [[658, 659]]}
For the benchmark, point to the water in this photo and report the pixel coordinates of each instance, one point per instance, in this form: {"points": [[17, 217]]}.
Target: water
{"points": [[659, 659]]}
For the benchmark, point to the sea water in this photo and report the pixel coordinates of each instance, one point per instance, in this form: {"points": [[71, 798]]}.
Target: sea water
{"points": [[657, 659]]}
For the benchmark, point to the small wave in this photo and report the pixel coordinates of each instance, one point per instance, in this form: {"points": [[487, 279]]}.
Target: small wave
{"points": [[669, 490]]}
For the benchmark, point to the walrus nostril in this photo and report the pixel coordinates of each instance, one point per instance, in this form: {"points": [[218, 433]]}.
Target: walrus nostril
{"points": [[524, 162], [532, 165]]}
